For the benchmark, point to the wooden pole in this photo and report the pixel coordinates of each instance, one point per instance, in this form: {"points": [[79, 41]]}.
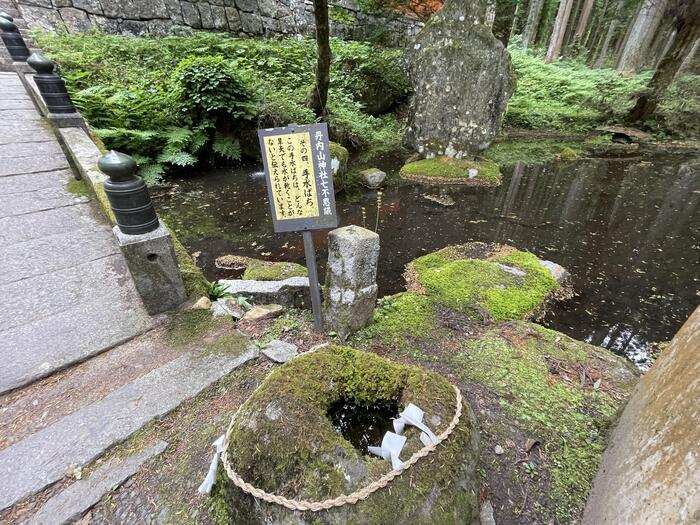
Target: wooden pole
{"points": [[314, 287]]}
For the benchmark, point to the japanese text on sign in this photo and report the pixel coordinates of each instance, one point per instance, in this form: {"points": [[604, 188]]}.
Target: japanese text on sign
{"points": [[291, 175], [299, 174]]}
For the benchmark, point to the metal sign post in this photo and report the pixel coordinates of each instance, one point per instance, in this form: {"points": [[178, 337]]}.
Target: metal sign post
{"points": [[299, 180]]}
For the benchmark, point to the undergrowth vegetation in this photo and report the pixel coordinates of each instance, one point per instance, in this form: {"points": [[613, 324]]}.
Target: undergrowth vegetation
{"points": [[177, 101], [567, 95], [570, 96]]}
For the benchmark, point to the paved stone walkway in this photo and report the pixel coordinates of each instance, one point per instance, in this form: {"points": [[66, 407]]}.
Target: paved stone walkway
{"points": [[65, 291]]}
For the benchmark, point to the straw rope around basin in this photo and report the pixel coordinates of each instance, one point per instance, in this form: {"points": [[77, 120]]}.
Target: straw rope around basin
{"points": [[355, 497]]}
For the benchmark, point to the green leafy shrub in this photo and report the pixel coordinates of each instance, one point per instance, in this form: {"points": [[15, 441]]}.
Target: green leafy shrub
{"points": [[208, 88], [680, 107], [173, 102]]}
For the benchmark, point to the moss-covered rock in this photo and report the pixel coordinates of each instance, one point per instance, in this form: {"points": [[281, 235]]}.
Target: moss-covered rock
{"points": [[339, 165], [284, 442], [484, 281], [259, 270], [446, 170], [567, 153]]}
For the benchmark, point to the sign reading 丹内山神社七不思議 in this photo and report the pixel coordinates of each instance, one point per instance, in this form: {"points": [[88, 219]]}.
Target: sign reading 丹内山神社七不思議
{"points": [[299, 177]]}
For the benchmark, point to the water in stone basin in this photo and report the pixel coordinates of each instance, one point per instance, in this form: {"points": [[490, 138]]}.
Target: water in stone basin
{"points": [[363, 426], [628, 230]]}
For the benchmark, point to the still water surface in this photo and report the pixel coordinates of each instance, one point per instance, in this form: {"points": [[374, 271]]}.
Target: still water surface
{"points": [[628, 230]]}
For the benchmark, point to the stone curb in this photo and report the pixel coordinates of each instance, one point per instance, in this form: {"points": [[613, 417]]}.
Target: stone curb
{"points": [[69, 505]]}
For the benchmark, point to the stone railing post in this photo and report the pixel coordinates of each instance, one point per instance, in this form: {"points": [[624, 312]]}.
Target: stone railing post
{"points": [[16, 47], [51, 87], [351, 279], [144, 241]]}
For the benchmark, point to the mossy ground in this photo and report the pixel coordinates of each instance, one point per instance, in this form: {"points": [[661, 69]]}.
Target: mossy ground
{"points": [[79, 188], [533, 150], [543, 397], [187, 326], [445, 170]]}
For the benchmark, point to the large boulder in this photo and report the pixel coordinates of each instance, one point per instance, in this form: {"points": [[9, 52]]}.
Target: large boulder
{"points": [[284, 442], [462, 79]]}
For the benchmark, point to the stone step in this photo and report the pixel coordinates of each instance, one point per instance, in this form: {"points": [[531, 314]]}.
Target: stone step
{"points": [[70, 504], [41, 459]]}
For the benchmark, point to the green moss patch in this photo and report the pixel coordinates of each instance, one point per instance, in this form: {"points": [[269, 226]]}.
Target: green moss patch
{"points": [[509, 286], [283, 442], [561, 391], [188, 326], [446, 170], [404, 315], [257, 270], [79, 188]]}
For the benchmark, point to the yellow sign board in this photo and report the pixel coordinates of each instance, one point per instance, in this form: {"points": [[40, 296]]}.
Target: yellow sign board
{"points": [[291, 168]]}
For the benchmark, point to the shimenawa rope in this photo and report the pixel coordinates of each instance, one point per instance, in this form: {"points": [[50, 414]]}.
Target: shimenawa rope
{"points": [[359, 495]]}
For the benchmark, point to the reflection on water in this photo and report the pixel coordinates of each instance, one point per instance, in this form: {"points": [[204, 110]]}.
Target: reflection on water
{"points": [[628, 230]]}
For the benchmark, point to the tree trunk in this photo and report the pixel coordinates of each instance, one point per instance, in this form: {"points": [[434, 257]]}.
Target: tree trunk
{"points": [[583, 20], [533, 20], [690, 63], [559, 30], [688, 33], [319, 96], [503, 20], [641, 34], [569, 34], [603, 53]]}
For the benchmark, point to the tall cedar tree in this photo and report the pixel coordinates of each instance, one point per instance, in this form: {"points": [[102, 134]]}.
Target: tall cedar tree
{"points": [[686, 16], [319, 96]]}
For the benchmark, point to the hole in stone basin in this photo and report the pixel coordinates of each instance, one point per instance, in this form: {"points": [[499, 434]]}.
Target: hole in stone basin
{"points": [[363, 425], [152, 256]]}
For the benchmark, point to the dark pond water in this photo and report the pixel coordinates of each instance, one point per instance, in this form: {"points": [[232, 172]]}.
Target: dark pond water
{"points": [[628, 230], [363, 426]]}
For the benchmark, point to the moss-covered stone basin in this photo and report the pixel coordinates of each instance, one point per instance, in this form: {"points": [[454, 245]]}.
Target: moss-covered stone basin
{"points": [[284, 442], [446, 170]]}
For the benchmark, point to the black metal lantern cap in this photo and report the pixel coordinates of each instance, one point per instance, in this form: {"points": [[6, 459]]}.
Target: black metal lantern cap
{"points": [[18, 50], [127, 194], [51, 86]]}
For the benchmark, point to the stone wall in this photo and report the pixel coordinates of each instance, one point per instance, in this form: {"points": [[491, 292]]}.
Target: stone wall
{"points": [[240, 17]]}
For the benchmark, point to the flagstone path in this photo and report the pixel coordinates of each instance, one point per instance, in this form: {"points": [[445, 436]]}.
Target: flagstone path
{"points": [[65, 290]]}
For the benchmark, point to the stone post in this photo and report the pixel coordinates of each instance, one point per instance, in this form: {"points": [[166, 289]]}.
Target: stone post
{"points": [[351, 279], [144, 241]]}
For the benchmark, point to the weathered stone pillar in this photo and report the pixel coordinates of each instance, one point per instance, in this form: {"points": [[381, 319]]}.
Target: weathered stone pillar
{"points": [[650, 471], [351, 279], [144, 241]]}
